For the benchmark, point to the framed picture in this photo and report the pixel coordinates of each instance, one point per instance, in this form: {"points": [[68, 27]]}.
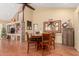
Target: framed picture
{"points": [[29, 25]]}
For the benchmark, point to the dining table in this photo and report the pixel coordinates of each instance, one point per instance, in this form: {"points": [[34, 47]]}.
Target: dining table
{"points": [[37, 38]]}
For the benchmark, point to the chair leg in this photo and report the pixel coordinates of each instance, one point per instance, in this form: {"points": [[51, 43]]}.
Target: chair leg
{"points": [[28, 48], [54, 44], [42, 51], [37, 46]]}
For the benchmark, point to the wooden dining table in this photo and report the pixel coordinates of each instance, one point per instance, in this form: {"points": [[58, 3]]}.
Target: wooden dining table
{"points": [[37, 38]]}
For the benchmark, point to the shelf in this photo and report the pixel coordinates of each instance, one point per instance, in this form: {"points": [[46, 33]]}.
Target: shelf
{"points": [[13, 34], [14, 30], [13, 23]]}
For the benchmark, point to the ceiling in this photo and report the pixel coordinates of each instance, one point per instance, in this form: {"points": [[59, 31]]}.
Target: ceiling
{"points": [[54, 5], [8, 10]]}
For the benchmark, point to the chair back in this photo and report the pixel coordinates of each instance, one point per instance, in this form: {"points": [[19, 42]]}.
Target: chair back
{"points": [[53, 35], [28, 36], [46, 37]]}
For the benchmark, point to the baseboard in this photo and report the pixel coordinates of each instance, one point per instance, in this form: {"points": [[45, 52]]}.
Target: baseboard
{"points": [[59, 42], [76, 49]]}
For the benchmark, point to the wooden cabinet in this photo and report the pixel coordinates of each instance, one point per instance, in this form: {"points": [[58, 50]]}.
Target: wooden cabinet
{"points": [[68, 37]]}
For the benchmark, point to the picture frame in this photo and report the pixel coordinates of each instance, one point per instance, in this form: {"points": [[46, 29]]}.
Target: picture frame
{"points": [[29, 25]]}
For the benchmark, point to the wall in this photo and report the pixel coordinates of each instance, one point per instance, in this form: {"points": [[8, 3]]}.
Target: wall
{"points": [[44, 14], [76, 28], [3, 21], [28, 15]]}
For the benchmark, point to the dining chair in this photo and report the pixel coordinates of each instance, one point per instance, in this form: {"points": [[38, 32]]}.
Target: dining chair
{"points": [[53, 39], [46, 41], [29, 41]]}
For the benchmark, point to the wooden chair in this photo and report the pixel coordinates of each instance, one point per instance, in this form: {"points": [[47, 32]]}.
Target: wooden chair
{"points": [[29, 41], [46, 42], [53, 39]]}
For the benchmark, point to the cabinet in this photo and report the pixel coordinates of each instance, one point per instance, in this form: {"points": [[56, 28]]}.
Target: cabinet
{"points": [[68, 37]]}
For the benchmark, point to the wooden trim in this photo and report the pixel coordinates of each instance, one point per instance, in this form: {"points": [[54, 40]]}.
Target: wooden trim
{"points": [[26, 4]]}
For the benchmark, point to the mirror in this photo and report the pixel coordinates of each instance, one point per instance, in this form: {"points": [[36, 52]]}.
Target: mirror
{"points": [[54, 25], [35, 28]]}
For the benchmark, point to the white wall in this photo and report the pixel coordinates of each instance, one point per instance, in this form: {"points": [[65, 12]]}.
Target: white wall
{"points": [[28, 15], [44, 14], [76, 28]]}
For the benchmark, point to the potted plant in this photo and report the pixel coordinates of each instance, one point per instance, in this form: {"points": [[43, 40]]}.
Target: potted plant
{"points": [[3, 32]]}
